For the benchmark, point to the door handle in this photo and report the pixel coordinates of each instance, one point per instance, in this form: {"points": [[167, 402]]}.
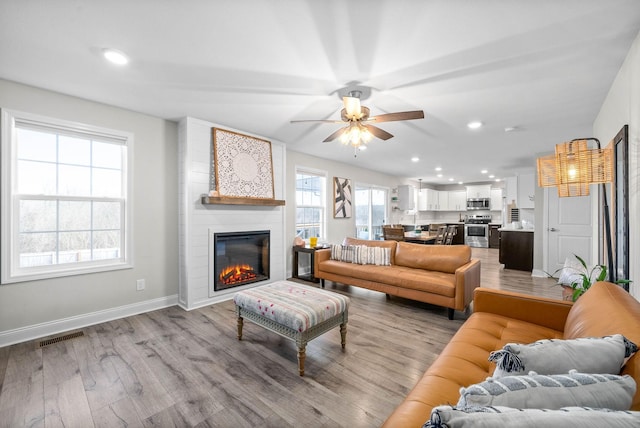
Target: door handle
{"points": [[553, 229]]}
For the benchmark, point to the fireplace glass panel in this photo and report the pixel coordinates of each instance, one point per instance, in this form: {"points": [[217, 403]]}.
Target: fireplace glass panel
{"points": [[240, 258]]}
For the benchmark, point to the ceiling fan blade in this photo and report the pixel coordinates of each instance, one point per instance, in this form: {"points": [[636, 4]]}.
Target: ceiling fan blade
{"points": [[379, 133], [403, 115], [336, 134], [317, 121], [352, 107]]}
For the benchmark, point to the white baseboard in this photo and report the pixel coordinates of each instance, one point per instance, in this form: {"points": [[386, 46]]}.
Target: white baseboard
{"points": [[35, 331], [539, 273]]}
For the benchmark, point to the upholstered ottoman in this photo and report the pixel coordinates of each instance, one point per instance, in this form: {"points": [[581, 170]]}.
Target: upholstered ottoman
{"points": [[298, 312]]}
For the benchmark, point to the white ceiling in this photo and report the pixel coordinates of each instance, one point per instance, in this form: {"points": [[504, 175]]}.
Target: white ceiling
{"points": [[542, 66]]}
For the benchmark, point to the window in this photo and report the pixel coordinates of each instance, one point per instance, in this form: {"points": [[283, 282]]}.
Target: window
{"points": [[64, 198], [371, 211], [310, 204]]}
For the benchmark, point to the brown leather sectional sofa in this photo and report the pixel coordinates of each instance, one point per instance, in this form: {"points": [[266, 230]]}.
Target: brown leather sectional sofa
{"points": [[443, 275], [502, 317]]}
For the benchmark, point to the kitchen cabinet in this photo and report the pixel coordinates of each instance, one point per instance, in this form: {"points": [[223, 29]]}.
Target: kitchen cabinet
{"points": [[457, 200], [479, 191], [428, 200], [406, 197], [443, 201], [526, 191], [516, 249], [494, 236], [511, 190], [495, 203]]}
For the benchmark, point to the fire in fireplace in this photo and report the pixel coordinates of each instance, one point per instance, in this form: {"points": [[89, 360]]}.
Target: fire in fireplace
{"points": [[240, 258]]}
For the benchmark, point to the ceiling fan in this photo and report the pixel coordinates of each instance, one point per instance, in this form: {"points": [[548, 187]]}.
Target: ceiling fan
{"points": [[359, 129]]}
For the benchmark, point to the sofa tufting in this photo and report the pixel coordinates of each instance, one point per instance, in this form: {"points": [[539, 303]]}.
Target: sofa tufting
{"points": [[443, 275], [502, 317]]}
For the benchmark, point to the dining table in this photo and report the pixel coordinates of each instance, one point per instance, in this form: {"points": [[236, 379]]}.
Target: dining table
{"points": [[420, 237]]}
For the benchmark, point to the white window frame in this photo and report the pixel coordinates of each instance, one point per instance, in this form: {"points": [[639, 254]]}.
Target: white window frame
{"points": [[323, 198], [11, 272]]}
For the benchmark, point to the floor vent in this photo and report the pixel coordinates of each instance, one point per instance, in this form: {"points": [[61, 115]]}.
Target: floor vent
{"points": [[70, 336]]}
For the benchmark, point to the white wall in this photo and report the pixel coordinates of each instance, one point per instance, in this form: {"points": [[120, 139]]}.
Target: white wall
{"points": [[37, 308], [338, 228], [622, 106]]}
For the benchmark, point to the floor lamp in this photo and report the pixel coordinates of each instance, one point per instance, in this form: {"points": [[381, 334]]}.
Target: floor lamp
{"points": [[572, 169]]}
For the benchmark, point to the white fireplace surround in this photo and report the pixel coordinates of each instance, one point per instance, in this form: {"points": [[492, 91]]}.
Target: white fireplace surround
{"points": [[199, 222]]}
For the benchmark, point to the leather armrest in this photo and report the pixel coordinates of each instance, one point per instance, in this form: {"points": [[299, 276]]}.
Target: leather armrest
{"points": [[467, 279], [543, 311], [320, 256]]}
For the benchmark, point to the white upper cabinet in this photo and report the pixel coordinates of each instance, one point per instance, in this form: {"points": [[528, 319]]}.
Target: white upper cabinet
{"points": [[457, 200], [406, 197], [496, 200], [511, 190], [479, 191], [443, 200]]}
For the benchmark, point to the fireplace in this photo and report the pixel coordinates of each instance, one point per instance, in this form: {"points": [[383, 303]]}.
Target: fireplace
{"points": [[240, 258]]}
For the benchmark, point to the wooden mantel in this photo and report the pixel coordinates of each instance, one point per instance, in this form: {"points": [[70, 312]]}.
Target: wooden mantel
{"points": [[228, 200]]}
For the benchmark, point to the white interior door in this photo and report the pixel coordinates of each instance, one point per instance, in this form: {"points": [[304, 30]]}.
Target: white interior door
{"points": [[569, 229]]}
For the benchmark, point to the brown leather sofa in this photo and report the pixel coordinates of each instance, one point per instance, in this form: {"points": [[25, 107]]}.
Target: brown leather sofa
{"points": [[443, 275], [501, 317]]}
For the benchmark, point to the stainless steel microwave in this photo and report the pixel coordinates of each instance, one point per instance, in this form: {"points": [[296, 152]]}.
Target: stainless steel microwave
{"points": [[478, 204]]}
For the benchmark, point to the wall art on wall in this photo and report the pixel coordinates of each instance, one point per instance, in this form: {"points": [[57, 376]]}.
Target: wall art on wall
{"points": [[341, 197], [242, 165]]}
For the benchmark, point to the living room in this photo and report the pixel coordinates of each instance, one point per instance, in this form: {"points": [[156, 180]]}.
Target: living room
{"points": [[165, 210]]}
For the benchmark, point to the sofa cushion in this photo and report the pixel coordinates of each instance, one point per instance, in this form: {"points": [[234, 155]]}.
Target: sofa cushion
{"points": [[551, 356], [607, 309], [552, 391], [500, 416], [441, 258], [398, 276]]}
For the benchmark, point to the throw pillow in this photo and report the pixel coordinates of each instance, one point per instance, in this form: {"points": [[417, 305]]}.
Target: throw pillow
{"points": [[361, 254], [556, 356], [552, 392], [567, 417]]}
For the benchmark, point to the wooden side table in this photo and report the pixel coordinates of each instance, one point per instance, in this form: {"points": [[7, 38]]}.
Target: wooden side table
{"points": [[312, 256]]}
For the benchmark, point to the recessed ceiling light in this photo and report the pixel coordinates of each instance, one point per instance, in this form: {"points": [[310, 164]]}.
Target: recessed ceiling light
{"points": [[510, 129], [451, 179], [497, 180], [484, 171], [459, 182], [115, 56], [492, 176], [474, 124], [439, 175], [438, 168], [415, 159]]}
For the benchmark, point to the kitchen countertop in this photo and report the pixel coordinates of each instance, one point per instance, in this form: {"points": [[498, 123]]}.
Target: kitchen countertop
{"points": [[511, 229]]}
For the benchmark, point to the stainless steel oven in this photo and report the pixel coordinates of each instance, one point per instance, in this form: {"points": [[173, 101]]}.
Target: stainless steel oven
{"points": [[476, 231]]}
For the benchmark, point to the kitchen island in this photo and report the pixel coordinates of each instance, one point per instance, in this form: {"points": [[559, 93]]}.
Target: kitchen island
{"points": [[516, 248]]}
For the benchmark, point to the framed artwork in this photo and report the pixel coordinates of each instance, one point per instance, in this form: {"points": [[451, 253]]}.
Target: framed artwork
{"points": [[342, 197], [242, 165], [620, 199]]}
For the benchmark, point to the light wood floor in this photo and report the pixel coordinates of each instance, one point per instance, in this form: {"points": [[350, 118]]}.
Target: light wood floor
{"points": [[176, 368]]}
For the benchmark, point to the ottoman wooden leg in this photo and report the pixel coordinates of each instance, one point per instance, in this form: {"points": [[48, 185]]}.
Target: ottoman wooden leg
{"points": [[302, 353], [240, 322], [343, 334]]}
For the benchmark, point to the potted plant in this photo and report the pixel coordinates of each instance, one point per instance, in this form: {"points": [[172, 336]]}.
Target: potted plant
{"points": [[576, 279]]}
